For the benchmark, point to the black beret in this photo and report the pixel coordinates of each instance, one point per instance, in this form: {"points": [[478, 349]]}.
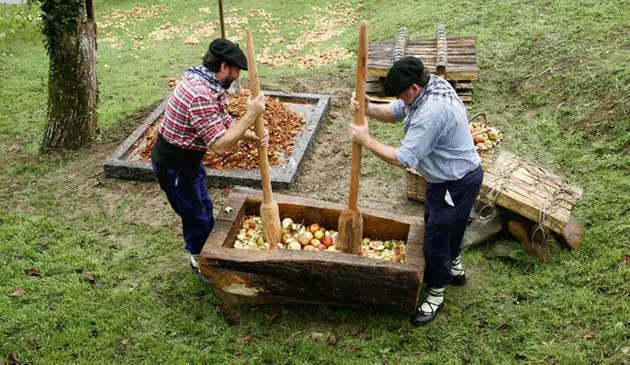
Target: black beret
{"points": [[404, 72], [229, 52]]}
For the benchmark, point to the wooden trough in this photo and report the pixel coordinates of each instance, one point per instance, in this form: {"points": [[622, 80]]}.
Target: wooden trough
{"points": [[334, 278]]}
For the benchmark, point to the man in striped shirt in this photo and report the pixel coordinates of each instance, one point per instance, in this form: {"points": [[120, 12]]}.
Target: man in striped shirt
{"points": [[196, 120], [439, 145]]}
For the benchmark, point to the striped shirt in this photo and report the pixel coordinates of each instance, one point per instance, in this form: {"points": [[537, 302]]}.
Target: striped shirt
{"points": [[437, 142], [195, 115]]}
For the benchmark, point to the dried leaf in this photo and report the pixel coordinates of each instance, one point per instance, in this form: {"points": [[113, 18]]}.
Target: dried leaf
{"points": [[589, 334], [272, 317], [332, 339], [13, 360], [624, 261], [32, 272], [90, 279], [245, 340], [17, 293], [317, 336]]}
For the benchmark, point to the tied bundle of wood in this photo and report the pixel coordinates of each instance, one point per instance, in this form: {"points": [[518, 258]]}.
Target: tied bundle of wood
{"points": [[533, 192], [454, 58]]}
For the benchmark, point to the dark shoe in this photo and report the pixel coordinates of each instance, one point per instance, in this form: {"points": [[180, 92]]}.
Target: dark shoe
{"points": [[459, 280], [421, 318]]}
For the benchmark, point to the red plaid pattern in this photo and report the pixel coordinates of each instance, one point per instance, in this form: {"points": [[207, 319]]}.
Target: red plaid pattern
{"points": [[195, 115]]}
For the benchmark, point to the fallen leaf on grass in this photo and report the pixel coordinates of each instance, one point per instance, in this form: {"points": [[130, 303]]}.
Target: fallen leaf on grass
{"points": [[245, 340], [17, 293], [589, 335], [332, 339], [32, 272], [272, 317], [90, 279], [624, 261], [317, 336], [13, 360]]}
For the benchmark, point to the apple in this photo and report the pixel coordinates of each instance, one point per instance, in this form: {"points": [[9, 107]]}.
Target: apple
{"points": [[488, 143], [493, 135], [321, 247], [275, 246], [246, 223], [305, 238], [314, 227], [285, 237], [294, 245], [287, 223], [480, 147], [327, 241], [331, 249], [315, 242], [479, 138], [309, 248], [319, 234]]}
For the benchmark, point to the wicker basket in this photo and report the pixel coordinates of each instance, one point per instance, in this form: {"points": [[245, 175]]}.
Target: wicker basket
{"points": [[487, 157], [416, 185]]}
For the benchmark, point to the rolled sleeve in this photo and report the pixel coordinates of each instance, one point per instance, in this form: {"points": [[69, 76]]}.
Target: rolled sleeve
{"points": [[421, 138], [208, 118], [398, 108]]}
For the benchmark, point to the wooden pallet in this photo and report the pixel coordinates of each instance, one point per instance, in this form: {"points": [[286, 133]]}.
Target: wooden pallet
{"points": [[528, 189], [454, 58]]}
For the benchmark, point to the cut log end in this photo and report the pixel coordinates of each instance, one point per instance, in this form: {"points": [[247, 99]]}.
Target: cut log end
{"points": [[350, 232], [270, 217], [573, 234]]}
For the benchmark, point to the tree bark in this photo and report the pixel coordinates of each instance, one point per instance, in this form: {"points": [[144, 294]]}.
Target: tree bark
{"points": [[72, 87]]}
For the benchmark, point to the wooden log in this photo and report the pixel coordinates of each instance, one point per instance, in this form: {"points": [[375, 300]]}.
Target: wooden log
{"points": [[285, 276], [441, 54], [401, 44]]}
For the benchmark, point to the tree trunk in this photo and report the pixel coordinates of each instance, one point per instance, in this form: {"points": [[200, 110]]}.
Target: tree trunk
{"points": [[72, 87]]}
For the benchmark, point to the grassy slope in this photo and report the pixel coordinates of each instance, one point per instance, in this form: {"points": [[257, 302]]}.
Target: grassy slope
{"points": [[555, 76]]}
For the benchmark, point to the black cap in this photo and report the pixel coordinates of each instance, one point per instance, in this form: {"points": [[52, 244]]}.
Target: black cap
{"points": [[404, 73], [229, 51]]}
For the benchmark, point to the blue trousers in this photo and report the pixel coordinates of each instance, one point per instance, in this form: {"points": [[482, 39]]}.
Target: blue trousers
{"points": [[189, 198], [447, 207]]}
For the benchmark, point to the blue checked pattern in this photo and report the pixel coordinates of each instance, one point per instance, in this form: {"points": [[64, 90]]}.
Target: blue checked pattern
{"points": [[437, 139]]}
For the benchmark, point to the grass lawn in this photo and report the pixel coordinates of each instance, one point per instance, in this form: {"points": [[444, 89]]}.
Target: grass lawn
{"points": [[101, 262]]}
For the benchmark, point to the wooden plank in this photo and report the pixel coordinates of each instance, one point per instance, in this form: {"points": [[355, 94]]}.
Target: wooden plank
{"points": [[518, 193]]}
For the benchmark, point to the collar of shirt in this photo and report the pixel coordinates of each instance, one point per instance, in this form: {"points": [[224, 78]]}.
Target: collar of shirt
{"points": [[201, 72], [436, 87]]}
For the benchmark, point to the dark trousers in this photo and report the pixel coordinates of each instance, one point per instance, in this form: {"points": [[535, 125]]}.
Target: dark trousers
{"points": [[188, 195], [445, 224]]}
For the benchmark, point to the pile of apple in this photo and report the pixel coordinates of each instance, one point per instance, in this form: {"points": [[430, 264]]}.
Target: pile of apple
{"points": [[313, 237], [485, 137]]}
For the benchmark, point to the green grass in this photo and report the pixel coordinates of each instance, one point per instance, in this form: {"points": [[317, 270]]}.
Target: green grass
{"points": [[555, 77]]}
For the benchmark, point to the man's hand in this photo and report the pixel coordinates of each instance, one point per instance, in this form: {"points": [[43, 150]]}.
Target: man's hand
{"points": [[251, 136], [256, 105], [360, 133], [354, 103]]}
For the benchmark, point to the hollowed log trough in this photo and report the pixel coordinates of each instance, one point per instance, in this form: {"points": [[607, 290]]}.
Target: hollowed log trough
{"points": [[332, 278]]}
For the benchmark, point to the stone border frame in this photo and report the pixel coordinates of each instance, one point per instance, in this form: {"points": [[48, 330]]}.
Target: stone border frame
{"points": [[117, 166]]}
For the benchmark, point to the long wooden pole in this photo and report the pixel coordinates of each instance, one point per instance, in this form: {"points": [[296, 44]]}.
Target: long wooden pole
{"points": [[269, 213], [350, 221], [221, 19]]}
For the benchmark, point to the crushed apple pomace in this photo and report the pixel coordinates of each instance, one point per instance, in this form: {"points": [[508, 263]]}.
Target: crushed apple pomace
{"points": [[283, 124]]}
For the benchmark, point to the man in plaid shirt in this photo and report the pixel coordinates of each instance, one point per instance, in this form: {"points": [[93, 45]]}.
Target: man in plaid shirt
{"points": [[196, 120]]}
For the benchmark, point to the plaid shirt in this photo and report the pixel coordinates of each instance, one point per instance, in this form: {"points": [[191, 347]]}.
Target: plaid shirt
{"points": [[195, 115]]}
